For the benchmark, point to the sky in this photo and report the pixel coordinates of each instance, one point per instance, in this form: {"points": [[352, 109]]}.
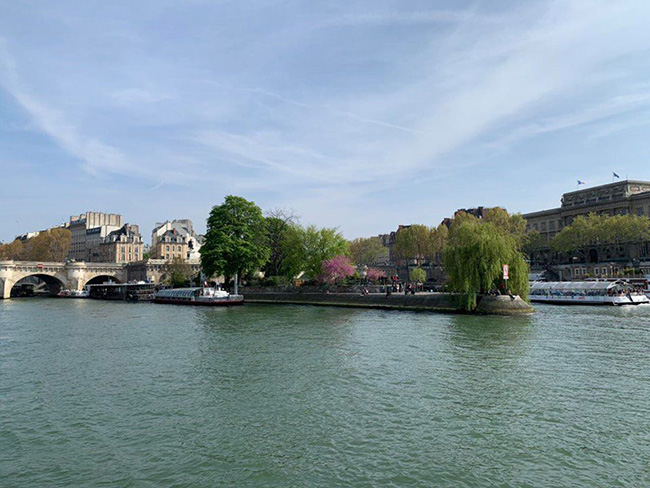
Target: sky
{"points": [[361, 115]]}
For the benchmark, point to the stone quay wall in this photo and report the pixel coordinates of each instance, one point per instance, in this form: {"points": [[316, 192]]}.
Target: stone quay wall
{"points": [[432, 302]]}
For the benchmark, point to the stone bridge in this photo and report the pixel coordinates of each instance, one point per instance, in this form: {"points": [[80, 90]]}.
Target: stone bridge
{"points": [[72, 275]]}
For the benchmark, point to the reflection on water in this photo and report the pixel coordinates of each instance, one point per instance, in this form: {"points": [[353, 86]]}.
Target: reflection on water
{"points": [[151, 395]]}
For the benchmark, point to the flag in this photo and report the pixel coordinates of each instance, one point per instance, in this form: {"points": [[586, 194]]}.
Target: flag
{"points": [[615, 175], [581, 182]]}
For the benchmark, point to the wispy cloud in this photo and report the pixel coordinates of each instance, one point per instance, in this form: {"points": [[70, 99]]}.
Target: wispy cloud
{"points": [[305, 105]]}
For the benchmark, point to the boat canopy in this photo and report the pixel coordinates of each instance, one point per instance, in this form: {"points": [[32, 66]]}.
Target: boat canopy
{"points": [[579, 288], [191, 292], [179, 293], [576, 285]]}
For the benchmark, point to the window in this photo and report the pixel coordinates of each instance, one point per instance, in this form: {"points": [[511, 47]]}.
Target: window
{"points": [[543, 226], [167, 248], [639, 211]]}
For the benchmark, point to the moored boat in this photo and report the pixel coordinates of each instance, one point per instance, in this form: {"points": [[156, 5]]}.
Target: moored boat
{"points": [[197, 296], [587, 293], [73, 293]]}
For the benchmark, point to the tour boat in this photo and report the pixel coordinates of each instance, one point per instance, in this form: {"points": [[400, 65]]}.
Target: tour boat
{"points": [[197, 296], [587, 293], [73, 293]]}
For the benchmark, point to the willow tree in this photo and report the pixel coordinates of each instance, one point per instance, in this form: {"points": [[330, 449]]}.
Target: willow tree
{"points": [[474, 259]]}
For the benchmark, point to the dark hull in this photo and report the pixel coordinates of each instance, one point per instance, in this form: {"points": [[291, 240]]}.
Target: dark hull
{"points": [[216, 303]]}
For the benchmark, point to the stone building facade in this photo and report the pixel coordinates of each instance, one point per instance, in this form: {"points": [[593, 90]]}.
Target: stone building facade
{"points": [[164, 233], [630, 197], [169, 246], [88, 231], [122, 246]]}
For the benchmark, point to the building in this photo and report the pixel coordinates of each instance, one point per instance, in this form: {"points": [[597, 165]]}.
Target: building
{"points": [[180, 227], [169, 246], [478, 212], [123, 245], [88, 231], [628, 197]]}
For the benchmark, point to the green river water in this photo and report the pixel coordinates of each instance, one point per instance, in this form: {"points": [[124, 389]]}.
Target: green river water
{"points": [[115, 394]]}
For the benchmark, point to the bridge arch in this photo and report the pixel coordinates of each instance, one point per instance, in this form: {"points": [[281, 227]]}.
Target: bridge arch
{"points": [[100, 279], [53, 283]]}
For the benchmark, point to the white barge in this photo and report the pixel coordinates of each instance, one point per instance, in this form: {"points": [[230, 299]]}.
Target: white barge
{"points": [[587, 293], [197, 296]]}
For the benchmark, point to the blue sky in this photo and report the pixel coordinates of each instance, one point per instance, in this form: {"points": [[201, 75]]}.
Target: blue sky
{"points": [[357, 114]]}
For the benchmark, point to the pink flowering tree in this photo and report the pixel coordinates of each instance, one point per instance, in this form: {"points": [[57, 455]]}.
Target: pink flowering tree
{"points": [[374, 275], [336, 269]]}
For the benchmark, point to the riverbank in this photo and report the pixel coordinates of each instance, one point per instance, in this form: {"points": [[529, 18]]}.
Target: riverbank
{"points": [[432, 302]]}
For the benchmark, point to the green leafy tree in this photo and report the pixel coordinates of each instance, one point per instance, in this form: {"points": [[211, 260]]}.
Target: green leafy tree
{"points": [[514, 224], [593, 230], [235, 241], [306, 249], [474, 258], [367, 251], [413, 242], [179, 272], [418, 275], [438, 238]]}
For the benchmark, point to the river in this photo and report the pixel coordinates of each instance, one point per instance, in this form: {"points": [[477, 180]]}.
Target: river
{"points": [[116, 394]]}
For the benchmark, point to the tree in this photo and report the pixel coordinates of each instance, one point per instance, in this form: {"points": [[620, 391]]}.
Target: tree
{"points": [[277, 225], [305, 249], [12, 250], [179, 272], [593, 230], [438, 238], [50, 245], [514, 224], [367, 251], [413, 242], [474, 258], [235, 241], [418, 275], [336, 269], [374, 275]]}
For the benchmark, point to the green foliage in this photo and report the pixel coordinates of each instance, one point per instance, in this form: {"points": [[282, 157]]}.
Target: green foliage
{"points": [[590, 230], [367, 251], [474, 257], [420, 243], [534, 241], [277, 225], [418, 275], [275, 281], [235, 241], [146, 256], [179, 272], [514, 224], [306, 249]]}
